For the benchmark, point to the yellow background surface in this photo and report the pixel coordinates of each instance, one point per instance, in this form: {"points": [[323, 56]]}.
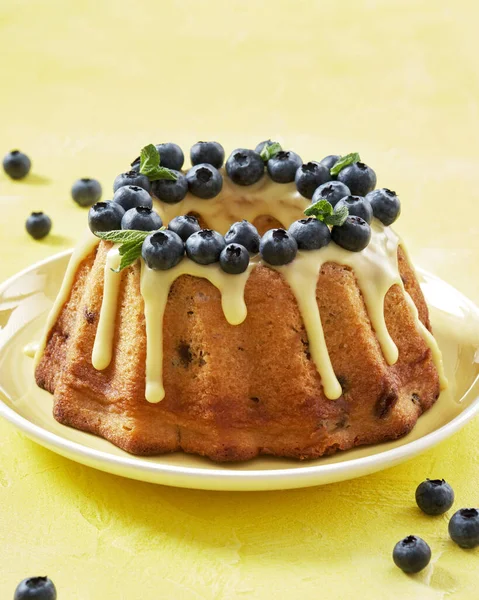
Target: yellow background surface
{"points": [[84, 84]]}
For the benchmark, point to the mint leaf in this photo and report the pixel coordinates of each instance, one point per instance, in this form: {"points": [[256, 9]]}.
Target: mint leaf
{"points": [[131, 242], [324, 211], [344, 161], [270, 150], [129, 256], [150, 165], [338, 217]]}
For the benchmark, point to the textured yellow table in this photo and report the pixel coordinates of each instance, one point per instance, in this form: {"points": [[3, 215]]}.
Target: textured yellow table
{"points": [[85, 83]]}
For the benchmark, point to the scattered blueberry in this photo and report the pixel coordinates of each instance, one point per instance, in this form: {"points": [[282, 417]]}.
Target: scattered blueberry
{"points": [[234, 259], [16, 164], [132, 178], [184, 226], [207, 152], [330, 160], [162, 250], [354, 235], [359, 178], [434, 496], [130, 196], [204, 181], [35, 588], [282, 166], [464, 527], [261, 145], [332, 191], [411, 554], [170, 191], [38, 225], [86, 191], [385, 204], [205, 246], [278, 247], [105, 216], [141, 218], [309, 177], [357, 207], [310, 234], [171, 156], [245, 167], [245, 234]]}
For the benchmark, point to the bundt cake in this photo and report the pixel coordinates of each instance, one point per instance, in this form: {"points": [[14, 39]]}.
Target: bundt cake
{"points": [[247, 338]]}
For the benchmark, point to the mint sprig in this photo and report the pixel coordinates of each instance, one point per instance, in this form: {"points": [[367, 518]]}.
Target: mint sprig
{"points": [[324, 211], [150, 165], [344, 161], [130, 242], [270, 150]]}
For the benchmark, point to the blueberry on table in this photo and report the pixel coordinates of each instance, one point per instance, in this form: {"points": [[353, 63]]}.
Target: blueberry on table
{"points": [[141, 218], [171, 156], [205, 246], [234, 259], [434, 496], [261, 145], [207, 152], [131, 178], [464, 527], [282, 166], [245, 234], [244, 167], [411, 554], [309, 177], [105, 216], [38, 225], [184, 226], [35, 588], [330, 160], [354, 235], [170, 191], [16, 164], [162, 250], [359, 178], [204, 181], [385, 204], [332, 191], [357, 206], [130, 196], [310, 233], [278, 247], [86, 191]]}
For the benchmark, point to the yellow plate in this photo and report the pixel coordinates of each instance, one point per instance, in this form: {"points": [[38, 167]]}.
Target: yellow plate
{"points": [[25, 300]]}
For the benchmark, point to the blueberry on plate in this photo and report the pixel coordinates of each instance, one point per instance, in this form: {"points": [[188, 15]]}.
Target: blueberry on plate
{"points": [[261, 145], [354, 235], [16, 164], [141, 218], [132, 178], [184, 226], [464, 527], [359, 178], [310, 233], [309, 177], [105, 216], [385, 204], [330, 160], [234, 259], [162, 250], [357, 207], [411, 554], [130, 196], [244, 167], [278, 247], [282, 166], [204, 181], [245, 234], [332, 191], [171, 156], [434, 496], [207, 152], [170, 191], [35, 588], [38, 225], [204, 247], [86, 191]]}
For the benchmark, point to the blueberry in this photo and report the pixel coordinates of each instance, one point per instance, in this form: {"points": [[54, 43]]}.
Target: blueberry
{"points": [[310, 234], [130, 196], [245, 167], [234, 259], [132, 178], [38, 225], [162, 250], [278, 247], [330, 160], [204, 181], [357, 207], [434, 496], [359, 178], [353, 235], [105, 216], [386, 205], [205, 246], [332, 191], [261, 145], [16, 164], [245, 234], [207, 152], [464, 527], [171, 156], [141, 218], [170, 191], [184, 226], [35, 588], [309, 177], [86, 191], [282, 166], [411, 554]]}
